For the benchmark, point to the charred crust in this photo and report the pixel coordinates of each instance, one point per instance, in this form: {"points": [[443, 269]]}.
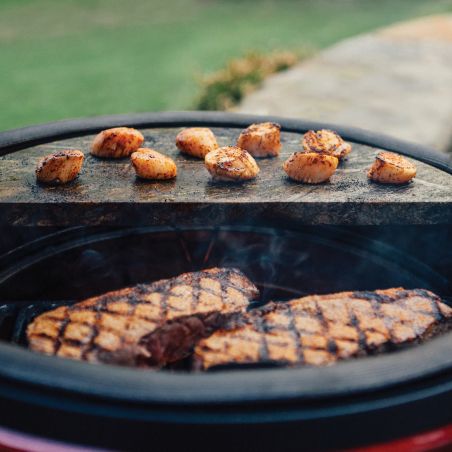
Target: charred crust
{"points": [[259, 126], [312, 142], [371, 296]]}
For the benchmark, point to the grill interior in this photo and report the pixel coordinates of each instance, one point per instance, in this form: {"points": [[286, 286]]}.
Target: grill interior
{"points": [[58, 269]]}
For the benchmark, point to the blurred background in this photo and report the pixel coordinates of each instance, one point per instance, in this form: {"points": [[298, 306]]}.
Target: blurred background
{"points": [[71, 58]]}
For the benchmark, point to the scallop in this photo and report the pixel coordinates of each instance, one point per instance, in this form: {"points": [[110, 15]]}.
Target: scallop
{"points": [[60, 167], [231, 164], [326, 142], [117, 143], [310, 167], [261, 140], [390, 168], [150, 164], [196, 141]]}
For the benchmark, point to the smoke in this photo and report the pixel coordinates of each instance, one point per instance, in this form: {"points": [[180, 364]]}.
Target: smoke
{"points": [[284, 263], [263, 255]]}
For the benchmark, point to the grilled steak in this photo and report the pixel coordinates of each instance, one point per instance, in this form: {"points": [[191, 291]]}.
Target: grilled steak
{"points": [[149, 324], [320, 330]]}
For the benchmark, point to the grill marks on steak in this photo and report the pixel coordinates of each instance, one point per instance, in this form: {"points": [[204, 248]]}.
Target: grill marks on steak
{"points": [[159, 323], [115, 327], [320, 330]]}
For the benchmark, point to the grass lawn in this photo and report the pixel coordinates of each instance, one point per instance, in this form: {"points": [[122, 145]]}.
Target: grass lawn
{"points": [[69, 58]]}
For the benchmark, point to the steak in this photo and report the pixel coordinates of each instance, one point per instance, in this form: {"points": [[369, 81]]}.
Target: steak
{"points": [[148, 324], [319, 330]]}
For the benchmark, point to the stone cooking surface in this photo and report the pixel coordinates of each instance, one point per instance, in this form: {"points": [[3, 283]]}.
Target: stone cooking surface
{"points": [[108, 193]]}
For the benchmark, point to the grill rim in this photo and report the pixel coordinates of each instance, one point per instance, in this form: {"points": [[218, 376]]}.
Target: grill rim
{"points": [[21, 138], [232, 387]]}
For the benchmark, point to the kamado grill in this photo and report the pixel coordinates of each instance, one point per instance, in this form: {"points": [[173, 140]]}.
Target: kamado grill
{"points": [[108, 230]]}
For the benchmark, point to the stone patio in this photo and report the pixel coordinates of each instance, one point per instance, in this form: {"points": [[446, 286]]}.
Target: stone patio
{"points": [[396, 80]]}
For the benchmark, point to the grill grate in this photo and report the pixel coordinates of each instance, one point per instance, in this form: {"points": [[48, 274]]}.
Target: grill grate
{"points": [[15, 316]]}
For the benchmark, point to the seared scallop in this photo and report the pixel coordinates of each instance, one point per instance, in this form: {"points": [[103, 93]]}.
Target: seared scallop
{"points": [[261, 140], [150, 164], [390, 168], [310, 167], [117, 142], [232, 164], [326, 142], [196, 141], [60, 167]]}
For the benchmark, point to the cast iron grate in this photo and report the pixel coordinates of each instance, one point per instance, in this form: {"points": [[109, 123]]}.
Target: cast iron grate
{"points": [[15, 316]]}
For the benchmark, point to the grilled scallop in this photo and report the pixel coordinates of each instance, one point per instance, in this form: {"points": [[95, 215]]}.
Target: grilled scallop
{"points": [[117, 142], [231, 164], [60, 167], [326, 142], [390, 168], [196, 141], [261, 140], [310, 167], [150, 164]]}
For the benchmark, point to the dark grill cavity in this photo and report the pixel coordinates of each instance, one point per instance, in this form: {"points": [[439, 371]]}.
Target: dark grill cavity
{"points": [[284, 264]]}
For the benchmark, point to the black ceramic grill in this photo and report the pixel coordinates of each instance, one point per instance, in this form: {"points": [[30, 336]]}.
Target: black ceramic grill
{"points": [[108, 230]]}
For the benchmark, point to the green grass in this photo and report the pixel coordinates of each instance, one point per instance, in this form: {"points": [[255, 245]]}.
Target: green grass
{"points": [[69, 58]]}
